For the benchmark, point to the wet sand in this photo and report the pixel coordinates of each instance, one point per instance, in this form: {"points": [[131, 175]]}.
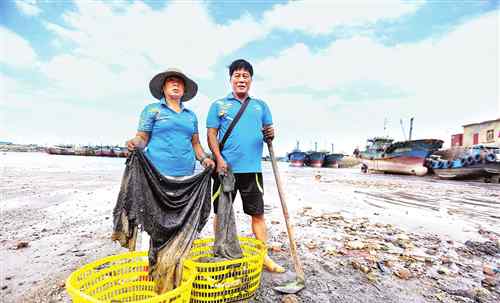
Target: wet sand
{"points": [[61, 207]]}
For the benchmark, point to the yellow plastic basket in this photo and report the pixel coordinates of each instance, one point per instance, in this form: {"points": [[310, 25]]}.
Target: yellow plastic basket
{"points": [[226, 281], [124, 278]]}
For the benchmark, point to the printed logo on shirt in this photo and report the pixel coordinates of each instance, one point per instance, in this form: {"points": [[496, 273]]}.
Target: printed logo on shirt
{"points": [[159, 116], [224, 108]]}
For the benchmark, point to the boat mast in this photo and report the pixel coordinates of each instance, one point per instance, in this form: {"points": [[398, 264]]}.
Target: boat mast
{"points": [[411, 128], [402, 128], [315, 146], [385, 126]]}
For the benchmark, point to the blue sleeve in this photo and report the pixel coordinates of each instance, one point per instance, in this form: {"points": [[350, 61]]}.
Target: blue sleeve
{"points": [[267, 118], [213, 117], [147, 119], [195, 122]]}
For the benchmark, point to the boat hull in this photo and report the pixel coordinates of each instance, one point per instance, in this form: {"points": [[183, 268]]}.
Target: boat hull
{"points": [[399, 165], [333, 160], [469, 172], [406, 157], [315, 163], [297, 163], [333, 164]]}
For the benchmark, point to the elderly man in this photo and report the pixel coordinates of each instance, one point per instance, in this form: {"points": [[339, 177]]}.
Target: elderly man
{"points": [[242, 151]]}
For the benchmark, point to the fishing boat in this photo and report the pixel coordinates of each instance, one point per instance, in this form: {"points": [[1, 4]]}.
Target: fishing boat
{"points": [[297, 158], [104, 151], [332, 160], [382, 154], [466, 163], [315, 159], [60, 150], [121, 152]]}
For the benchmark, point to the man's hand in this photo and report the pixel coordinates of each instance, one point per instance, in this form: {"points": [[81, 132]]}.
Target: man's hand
{"points": [[221, 166], [136, 142], [207, 162], [268, 133]]}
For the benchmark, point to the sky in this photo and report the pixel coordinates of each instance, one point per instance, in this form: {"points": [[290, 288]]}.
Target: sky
{"points": [[332, 72]]}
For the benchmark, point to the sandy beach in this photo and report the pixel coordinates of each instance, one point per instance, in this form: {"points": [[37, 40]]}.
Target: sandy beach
{"points": [[362, 237]]}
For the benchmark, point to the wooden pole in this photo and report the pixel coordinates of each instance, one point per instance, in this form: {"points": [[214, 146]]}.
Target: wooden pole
{"points": [[293, 246]]}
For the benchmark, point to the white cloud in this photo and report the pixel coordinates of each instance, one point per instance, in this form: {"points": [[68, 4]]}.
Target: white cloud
{"points": [[118, 51], [139, 41], [322, 17], [28, 7], [15, 50], [182, 32], [444, 83]]}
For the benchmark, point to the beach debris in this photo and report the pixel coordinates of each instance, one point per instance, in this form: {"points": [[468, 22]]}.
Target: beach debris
{"points": [[403, 273], [275, 247], [331, 216], [361, 267], [355, 245], [479, 248], [490, 271], [402, 240], [304, 210], [443, 271], [355, 264], [381, 267], [331, 251], [372, 277], [22, 244], [311, 244], [290, 299], [489, 282]]}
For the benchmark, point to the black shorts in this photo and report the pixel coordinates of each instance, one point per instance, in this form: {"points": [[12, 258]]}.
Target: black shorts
{"points": [[251, 188]]}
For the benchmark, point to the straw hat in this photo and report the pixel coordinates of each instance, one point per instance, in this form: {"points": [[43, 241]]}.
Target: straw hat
{"points": [[156, 84]]}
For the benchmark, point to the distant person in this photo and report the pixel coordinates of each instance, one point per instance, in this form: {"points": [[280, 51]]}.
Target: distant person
{"points": [[356, 152], [168, 130], [242, 151]]}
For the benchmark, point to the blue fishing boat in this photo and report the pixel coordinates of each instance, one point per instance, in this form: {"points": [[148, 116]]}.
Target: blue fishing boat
{"points": [[297, 158], [332, 160], [315, 159], [405, 157]]}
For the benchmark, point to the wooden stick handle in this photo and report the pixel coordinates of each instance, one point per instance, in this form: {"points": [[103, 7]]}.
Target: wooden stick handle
{"points": [[293, 246]]}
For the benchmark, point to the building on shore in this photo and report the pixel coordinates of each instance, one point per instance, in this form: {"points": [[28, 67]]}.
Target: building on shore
{"points": [[486, 133]]}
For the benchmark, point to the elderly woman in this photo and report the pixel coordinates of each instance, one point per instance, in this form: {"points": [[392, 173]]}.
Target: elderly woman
{"points": [[169, 130]]}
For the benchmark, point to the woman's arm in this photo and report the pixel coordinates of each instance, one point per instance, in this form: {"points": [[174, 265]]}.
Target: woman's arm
{"points": [[200, 153], [140, 140]]}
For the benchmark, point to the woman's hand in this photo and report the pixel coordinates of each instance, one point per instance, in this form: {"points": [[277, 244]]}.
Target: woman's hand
{"points": [[207, 162], [136, 142]]}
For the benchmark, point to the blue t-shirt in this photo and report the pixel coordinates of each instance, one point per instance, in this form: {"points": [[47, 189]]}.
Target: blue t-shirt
{"points": [[243, 148], [169, 147]]}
